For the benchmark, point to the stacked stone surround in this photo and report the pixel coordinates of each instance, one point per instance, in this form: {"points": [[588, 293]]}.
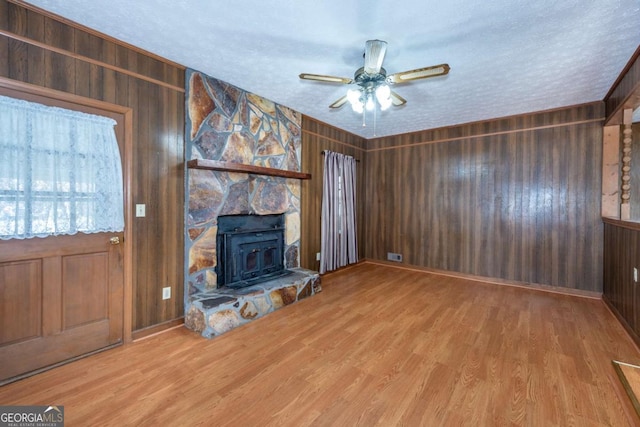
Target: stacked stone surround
{"points": [[228, 124], [218, 311]]}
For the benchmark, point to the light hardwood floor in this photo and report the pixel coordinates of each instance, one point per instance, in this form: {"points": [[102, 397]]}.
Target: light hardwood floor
{"points": [[379, 346]]}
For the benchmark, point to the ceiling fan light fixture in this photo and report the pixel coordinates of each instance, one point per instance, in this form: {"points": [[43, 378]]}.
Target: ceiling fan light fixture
{"points": [[354, 96], [361, 99], [370, 105], [383, 95]]}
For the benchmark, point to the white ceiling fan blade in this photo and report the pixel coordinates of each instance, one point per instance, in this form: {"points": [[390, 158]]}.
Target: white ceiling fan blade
{"points": [[339, 103], [322, 78], [419, 73], [397, 99], [374, 55]]}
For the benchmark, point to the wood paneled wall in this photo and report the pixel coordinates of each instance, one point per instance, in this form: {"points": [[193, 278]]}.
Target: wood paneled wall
{"points": [[317, 137], [621, 255], [515, 198], [621, 252], [43, 51], [625, 92]]}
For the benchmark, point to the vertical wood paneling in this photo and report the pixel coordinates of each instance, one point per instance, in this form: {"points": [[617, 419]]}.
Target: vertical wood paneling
{"points": [[172, 143], [17, 63], [624, 94], [4, 43], [158, 126], [518, 204], [60, 72], [621, 255], [521, 206], [143, 236], [35, 55], [108, 82], [86, 44]]}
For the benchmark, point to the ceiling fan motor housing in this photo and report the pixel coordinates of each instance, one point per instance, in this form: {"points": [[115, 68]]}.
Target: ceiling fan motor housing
{"points": [[369, 82]]}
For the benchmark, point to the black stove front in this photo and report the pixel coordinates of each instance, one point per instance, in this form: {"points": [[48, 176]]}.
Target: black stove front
{"points": [[250, 249]]}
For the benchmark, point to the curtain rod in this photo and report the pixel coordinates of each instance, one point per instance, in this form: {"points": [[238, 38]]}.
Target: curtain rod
{"points": [[357, 160]]}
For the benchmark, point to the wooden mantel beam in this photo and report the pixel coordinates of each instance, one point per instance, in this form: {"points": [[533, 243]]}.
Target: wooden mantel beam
{"points": [[242, 168]]}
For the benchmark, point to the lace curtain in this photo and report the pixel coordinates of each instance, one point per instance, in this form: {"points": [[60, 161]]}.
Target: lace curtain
{"points": [[60, 172]]}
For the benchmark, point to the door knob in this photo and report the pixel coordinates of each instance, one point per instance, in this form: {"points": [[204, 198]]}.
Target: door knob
{"points": [[114, 240]]}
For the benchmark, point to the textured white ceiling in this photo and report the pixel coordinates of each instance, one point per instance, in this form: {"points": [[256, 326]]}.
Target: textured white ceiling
{"points": [[506, 56]]}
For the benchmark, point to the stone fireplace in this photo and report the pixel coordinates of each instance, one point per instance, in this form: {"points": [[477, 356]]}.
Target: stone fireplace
{"points": [[227, 124]]}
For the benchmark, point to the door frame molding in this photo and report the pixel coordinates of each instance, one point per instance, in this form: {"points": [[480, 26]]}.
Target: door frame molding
{"points": [[124, 116]]}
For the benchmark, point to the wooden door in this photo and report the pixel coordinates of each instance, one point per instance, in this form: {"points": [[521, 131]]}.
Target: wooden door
{"points": [[60, 297]]}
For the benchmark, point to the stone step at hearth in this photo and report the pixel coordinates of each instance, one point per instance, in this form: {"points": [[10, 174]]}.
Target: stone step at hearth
{"points": [[220, 310]]}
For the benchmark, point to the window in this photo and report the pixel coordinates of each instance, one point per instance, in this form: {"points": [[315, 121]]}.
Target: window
{"points": [[60, 172]]}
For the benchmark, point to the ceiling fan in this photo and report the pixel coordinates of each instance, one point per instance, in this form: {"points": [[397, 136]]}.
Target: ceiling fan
{"points": [[374, 82]]}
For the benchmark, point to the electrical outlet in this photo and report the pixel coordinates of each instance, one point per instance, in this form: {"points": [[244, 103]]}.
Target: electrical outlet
{"points": [[635, 274], [140, 210], [166, 293], [317, 256], [394, 257]]}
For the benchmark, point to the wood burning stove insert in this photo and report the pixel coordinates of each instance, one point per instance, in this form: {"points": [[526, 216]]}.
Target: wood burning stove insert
{"points": [[250, 249]]}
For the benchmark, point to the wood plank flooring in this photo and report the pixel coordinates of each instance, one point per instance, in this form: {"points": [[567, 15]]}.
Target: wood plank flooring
{"points": [[379, 346]]}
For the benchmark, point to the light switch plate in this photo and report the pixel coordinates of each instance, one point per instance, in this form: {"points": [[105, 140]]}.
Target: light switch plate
{"points": [[140, 210]]}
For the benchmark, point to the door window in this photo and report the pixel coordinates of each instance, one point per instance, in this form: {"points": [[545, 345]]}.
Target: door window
{"points": [[60, 172]]}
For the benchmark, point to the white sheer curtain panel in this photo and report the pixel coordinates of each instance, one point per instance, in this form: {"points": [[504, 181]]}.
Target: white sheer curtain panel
{"points": [[60, 172], [339, 243]]}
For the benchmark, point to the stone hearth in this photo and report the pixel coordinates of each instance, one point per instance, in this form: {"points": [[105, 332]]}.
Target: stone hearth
{"points": [[220, 310]]}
